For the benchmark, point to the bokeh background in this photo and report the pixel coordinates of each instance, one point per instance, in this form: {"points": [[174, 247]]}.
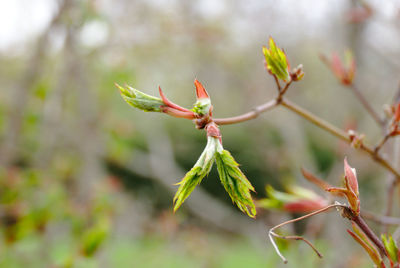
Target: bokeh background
{"points": [[87, 181]]}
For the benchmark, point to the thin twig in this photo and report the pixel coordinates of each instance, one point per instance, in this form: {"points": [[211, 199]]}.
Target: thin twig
{"points": [[247, 116], [382, 142], [278, 85], [358, 95], [272, 233], [283, 91], [367, 105], [385, 220]]}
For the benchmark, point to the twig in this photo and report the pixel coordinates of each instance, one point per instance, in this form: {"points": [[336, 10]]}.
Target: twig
{"points": [[278, 85], [367, 105], [283, 91], [385, 220], [272, 233], [358, 95], [369, 233], [319, 122], [247, 116], [381, 143], [339, 134]]}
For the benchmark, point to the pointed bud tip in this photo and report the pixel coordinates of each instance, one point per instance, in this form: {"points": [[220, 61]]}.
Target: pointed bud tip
{"points": [[201, 92], [118, 86]]}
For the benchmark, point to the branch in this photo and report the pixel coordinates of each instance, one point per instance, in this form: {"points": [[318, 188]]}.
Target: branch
{"points": [[369, 233], [358, 95], [247, 116], [382, 142], [319, 122], [339, 134]]}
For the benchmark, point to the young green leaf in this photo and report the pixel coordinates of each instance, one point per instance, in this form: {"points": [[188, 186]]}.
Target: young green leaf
{"points": [[202, 106], [235, 182], [276, 61], [197, 173], [391, 247], [140, 100]]}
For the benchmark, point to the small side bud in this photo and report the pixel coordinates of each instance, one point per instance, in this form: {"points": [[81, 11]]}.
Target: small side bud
{"points": [[356, 139], [344, 72], [297, 73]]}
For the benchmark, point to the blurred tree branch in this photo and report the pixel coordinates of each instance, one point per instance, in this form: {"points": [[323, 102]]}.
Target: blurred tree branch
{"points": [[21, 93]]}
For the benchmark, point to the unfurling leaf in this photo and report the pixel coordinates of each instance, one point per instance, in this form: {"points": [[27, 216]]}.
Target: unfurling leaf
{"points": [[197, 173], [235, 182], [276, 61], [140, 100], [391, 247], [297, 199]]}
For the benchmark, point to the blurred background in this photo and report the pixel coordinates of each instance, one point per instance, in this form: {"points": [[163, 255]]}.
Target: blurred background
{"points": [[88, 181]]}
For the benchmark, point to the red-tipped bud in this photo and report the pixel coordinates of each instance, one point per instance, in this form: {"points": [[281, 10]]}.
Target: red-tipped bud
{"points": [[203, 106], [351, 176], [351, 188], [345, 73], [201, 92], [337, 67]]}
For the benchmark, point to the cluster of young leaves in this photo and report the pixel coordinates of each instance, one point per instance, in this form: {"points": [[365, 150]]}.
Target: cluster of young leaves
{"points": [[232, 178]]}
